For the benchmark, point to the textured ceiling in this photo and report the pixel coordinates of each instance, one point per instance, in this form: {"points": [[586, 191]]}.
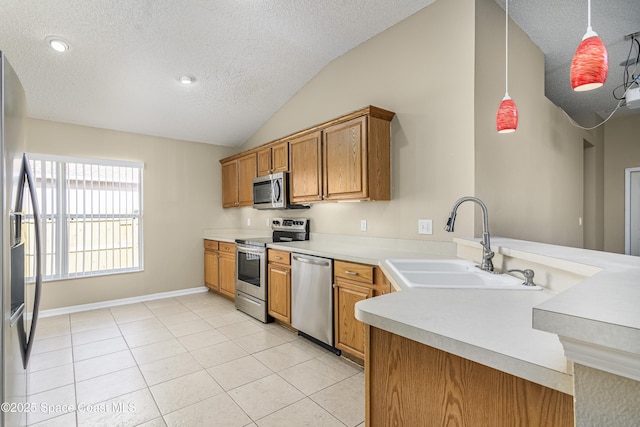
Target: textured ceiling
{"points": [[249, 57], [557, 27]]}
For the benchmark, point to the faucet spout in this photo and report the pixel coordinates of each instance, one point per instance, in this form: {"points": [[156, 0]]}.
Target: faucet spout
{"points": [[487, 253]]}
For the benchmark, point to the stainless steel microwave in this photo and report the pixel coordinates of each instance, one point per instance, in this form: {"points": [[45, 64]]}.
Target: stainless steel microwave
{"points": [[272, 192]]}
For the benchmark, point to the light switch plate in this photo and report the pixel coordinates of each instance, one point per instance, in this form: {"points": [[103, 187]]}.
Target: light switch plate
{"points": [[425, 226]]}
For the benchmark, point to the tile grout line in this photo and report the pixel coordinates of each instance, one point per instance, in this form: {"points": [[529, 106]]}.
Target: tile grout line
{"points": [[223, 306]]}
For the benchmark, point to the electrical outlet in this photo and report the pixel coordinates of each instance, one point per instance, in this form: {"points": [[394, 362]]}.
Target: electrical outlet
{"points": [[363, 225], [425, 226], [268, 222], [248, 222]]}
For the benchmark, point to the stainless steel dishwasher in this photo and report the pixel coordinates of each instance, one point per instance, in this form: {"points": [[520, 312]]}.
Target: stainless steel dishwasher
{"points": [[312, 298]]}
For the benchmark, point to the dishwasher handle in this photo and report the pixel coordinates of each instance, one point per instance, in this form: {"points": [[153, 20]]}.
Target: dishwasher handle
{"points": [[314, 261]]}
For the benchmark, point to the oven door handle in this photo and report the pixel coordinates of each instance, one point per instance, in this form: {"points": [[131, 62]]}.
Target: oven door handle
{"points": [[249, 249], [312, 261]]}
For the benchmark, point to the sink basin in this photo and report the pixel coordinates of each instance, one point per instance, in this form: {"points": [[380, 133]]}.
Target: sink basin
{"points": [[461, 274]]}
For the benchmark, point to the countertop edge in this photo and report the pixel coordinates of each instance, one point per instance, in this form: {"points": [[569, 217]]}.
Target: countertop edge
{"points": [[547, 377]]}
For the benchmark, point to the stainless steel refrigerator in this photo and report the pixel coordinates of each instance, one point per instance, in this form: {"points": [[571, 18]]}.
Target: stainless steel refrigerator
{"points": [[19, 308]]}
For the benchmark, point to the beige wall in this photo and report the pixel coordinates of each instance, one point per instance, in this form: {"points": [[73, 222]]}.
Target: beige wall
{"points": [[442, 72], [604, 399], [421, 69], [622, 150], [182, 196], [532, 180]]}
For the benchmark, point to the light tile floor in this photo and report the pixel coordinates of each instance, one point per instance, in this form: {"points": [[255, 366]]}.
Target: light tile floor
{"points": [[186, 361]]}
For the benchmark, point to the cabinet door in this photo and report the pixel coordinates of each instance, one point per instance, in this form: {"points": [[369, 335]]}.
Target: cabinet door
{"points": [[279, 279], [228, 275], [345, 160], [211, 272], [306, 168], [247, 170], [264, 161], [280, 157], [230, 184], [349, 331]]}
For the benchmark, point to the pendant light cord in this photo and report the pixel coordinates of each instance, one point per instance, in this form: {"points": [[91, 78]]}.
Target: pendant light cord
{"points": [[506, 49]]}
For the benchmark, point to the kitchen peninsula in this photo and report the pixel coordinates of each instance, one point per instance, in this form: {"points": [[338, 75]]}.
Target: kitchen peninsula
{"points": [[472, 356], [506, 340]]}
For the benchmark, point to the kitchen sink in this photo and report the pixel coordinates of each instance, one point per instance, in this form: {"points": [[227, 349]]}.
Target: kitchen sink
{"points": [[461, 274]]}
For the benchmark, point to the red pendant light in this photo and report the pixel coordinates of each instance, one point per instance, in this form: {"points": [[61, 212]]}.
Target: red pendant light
{"points": [[507, 116], [590, 64]]}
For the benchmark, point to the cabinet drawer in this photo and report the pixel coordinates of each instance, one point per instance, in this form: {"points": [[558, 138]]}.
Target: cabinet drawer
{"points": [[227, 247], [279, 257], [352, 271], [211, 245]]}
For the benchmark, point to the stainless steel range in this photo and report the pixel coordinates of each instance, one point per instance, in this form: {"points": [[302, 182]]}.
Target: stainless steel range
{"points": [[251, 265]]}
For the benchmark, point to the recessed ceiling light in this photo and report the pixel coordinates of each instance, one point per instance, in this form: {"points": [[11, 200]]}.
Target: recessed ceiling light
{"points": [[186, 79], [57, 44]]}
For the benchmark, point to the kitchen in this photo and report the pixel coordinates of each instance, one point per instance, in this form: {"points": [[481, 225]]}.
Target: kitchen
{"points": [[443, 135]]}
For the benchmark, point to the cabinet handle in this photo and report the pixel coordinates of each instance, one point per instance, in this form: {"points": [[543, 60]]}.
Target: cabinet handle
{"points": [[353, 273], [277, 257], [335, 286]]}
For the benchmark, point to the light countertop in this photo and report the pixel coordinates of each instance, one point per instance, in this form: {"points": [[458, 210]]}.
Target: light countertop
{"points": [[510, 330], [230, 235]]}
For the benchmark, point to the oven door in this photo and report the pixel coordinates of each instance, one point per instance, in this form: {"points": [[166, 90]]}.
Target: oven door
{"points": [[251, 270]]}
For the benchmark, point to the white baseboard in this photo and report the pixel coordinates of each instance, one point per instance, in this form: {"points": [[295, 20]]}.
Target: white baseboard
{"points": [[123, 301]]}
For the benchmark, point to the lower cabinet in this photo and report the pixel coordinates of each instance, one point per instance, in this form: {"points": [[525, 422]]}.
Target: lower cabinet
{"points": [[211, 268], [354, 282], [227, 267], [279, 285], [220, 267], [413, 384]]}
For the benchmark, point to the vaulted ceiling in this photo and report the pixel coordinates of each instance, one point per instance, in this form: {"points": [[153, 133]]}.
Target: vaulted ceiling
{"points": [[248, 57]]}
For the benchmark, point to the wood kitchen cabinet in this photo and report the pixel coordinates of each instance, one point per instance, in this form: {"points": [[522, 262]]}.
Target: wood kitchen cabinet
{"points": [[354, 282], [413, 384], [230, 184], [305, 180], [227, 267], [279, 285], [237, 181], [211, 268], [273, 158], [220, 267], [348, 159]]}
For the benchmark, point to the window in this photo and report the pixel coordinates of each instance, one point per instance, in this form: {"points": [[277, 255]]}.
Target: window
{"points": [[91, 216]]}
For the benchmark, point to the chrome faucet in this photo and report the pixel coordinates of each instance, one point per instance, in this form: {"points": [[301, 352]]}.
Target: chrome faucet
{"points": [[487, 253]]}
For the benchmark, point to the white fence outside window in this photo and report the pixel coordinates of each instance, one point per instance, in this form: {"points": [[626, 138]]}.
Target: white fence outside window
{"points": [[91, 216]]}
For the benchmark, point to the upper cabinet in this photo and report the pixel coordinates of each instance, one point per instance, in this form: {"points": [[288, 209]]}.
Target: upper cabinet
{"points": [[305, 180], [348, 158], [237, 180], [273, 158]]}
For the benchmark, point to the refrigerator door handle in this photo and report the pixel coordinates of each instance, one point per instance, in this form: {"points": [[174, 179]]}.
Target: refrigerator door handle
{"points": [[26, 174]]}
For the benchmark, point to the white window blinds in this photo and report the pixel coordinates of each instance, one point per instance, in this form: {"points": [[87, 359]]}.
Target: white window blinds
{"points": [[92, 216]]}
